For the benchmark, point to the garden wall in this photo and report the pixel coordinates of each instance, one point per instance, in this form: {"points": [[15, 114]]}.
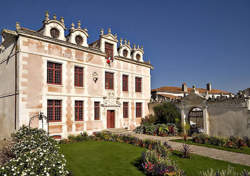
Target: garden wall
{"points": [[229, 118]]}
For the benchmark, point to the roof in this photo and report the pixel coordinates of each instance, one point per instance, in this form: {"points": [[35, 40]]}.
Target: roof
{"points": [[179, 90], [170, 96]]}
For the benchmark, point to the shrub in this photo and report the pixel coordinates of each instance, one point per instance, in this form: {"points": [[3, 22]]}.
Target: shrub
{"points": [[158, 129], [155, 164], [35, 153], [186, 151]]}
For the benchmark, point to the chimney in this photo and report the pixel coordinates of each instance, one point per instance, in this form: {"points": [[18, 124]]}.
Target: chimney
{"points": [[209, 87], [184, 87]]}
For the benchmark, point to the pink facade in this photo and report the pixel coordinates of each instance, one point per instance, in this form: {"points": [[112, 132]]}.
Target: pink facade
{"points": [[37, 48]]}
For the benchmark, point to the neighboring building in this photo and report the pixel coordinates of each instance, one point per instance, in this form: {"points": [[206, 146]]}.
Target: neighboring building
{"points": [[78, 86], [174, 93]]}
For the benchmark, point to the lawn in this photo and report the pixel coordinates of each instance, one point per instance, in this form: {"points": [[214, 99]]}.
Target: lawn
{"points": [[245, 150], [93, 158]]}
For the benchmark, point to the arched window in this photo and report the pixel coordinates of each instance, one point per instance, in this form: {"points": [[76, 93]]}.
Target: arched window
{"points": [[125, 53], [79, 40], [138, 57], [54, 32]]}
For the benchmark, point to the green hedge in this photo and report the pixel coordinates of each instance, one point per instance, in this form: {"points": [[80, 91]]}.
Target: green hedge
{"points": [[157, 130]]}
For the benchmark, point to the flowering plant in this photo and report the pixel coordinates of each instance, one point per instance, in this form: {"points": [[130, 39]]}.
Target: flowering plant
{"points": [[35, 153]]}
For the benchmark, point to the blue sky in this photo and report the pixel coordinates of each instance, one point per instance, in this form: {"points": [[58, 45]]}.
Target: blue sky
{"points": [[192, 41]]}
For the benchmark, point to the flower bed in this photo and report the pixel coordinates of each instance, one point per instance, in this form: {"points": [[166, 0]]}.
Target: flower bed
{"points": [[34, 153], [232, 142], [157, 130]]}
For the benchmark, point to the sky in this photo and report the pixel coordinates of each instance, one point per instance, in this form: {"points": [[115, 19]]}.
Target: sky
{"points": [[191, 41]]}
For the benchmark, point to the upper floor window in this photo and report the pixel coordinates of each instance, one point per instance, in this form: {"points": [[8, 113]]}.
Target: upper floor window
{"points": [[54, 110], [109, 50], [137, 84], [138, 110], [79, 40], [109, 80], [125, 109], [124, 82], [79, 76], [54, 73], [138, 57], [78, 110], [125, 53], [97, 110], [54, 32]]}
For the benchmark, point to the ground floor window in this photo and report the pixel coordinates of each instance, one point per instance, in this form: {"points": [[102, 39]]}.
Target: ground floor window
{"points": [[78, 110], [54, 110], [125, 109], [97, 110], [138, 110]]}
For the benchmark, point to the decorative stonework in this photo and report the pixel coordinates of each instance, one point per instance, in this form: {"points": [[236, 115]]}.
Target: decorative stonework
{"points": [[111, 101]]}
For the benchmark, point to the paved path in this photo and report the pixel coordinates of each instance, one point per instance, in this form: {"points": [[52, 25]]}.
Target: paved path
{"points": [[232, 157]]}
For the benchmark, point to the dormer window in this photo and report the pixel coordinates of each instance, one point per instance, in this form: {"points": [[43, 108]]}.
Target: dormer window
{"points": [[54, 32], [138, 57], [79, 40], [125, 53], [109, 50]]}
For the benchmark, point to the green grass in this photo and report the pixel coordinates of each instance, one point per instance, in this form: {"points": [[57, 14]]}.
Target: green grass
{"points": [[244, 150], [94, 158], [197, 163]]}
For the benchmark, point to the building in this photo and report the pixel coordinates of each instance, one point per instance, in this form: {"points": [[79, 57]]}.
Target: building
{"points": [[174, 93], [78, 86]]}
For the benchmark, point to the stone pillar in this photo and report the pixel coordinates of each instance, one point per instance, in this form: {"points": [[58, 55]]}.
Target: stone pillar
{"points": [[206, 121], [183, 120]]}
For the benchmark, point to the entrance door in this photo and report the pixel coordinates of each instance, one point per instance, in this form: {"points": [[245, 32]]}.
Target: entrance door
{"points": [[110, 119]]}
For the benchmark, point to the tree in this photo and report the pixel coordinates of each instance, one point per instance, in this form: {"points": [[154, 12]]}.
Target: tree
{"points": [[167, 113]]}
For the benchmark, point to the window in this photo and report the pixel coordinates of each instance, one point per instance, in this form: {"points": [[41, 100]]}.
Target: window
{"points": [[79, 40], [109, 50], [124, 82], [125, 53], [138, 110], [109, 80], [54, 73], [125, 109], [137, 84], [54, 110], [138, 57], [78, 110], [97, 110], [79, 76], [54, 33]]}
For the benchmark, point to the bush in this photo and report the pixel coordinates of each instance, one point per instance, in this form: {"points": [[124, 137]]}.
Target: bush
{"points": [[154, 164], [35, 153], [232, 142], [158, 129], [167, 113]]}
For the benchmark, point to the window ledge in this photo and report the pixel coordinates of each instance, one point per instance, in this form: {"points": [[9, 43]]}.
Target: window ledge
{"points": [[54, 85]]}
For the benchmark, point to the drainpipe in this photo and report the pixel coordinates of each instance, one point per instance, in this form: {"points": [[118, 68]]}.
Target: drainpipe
{"points": [[16, 84]]}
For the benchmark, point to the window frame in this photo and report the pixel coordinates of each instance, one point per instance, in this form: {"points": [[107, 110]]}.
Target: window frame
{"points": [[125, 83], [109, 49], [109, 80], [77, 81], [138, 110], [53, 70], [79, 105], [138, 84], [54, 106], [96, 110], [125, 110]]}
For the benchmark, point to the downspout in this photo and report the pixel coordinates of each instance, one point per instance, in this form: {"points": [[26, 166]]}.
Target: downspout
{"points": [[16, 84]]}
